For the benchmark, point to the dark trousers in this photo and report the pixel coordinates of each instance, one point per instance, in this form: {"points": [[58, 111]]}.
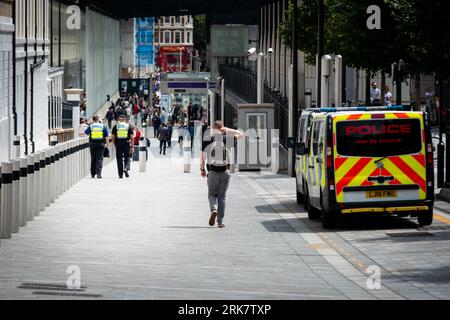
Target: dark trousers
{"points": [[169, 143], [109, 124], [162, 146], [97, 150], [156, 130], [123, 156]]}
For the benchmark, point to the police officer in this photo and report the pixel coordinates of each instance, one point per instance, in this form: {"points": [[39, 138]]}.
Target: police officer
{"points": [[99, 135], [122, 137]]}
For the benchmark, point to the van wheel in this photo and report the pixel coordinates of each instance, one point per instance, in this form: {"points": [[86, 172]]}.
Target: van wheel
{"points": [[300, 199], [313, 213], [329, 220], [426, 218]]}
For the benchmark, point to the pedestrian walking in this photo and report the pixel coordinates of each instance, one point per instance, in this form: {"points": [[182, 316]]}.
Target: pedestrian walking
{"points": [[215, 156], [98, 137], [375, 95], [110, 117], [387, 96], [122, 137], [156, 121], [163, 138], [170, 129], [81, 129]]}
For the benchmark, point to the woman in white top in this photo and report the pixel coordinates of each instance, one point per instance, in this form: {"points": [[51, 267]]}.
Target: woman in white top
{"points": [[387, 96]]}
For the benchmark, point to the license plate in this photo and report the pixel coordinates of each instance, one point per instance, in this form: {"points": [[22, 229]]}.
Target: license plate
{"points": [[381, 194]]}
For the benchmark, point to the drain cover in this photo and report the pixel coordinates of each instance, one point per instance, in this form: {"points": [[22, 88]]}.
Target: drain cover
{"points": [[50, 289], [409, 234]]}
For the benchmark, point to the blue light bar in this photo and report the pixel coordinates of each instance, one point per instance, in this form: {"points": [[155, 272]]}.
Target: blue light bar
{"points": [[359, 108]]}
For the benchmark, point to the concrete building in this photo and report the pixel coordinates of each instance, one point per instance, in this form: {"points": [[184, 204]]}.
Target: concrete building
{"points": [[128, 48], [174, 41]]}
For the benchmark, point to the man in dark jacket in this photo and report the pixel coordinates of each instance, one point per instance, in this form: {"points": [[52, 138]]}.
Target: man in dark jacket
{"points": [[163, 136]]}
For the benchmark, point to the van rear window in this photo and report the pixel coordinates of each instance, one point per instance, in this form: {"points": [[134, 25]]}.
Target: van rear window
{"points": [[378, 138]]}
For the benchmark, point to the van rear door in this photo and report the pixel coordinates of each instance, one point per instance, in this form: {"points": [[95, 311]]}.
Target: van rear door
{"points": [[380, 157]]}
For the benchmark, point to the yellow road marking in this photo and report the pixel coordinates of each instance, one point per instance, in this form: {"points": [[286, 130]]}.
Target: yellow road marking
{"points": [[442, 219]]}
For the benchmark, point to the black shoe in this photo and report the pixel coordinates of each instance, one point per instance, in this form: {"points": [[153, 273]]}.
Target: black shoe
{"points": [[99, 176], [120, 177], [127, 174], [212, 219], [93, 176]]}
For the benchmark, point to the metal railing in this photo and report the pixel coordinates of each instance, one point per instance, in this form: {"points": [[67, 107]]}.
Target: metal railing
{"points": [[281, 113], [67, 115], [243, 83]]}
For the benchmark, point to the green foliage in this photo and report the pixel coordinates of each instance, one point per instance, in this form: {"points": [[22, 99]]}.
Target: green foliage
{"points": [[200, 32], [412, 30]]}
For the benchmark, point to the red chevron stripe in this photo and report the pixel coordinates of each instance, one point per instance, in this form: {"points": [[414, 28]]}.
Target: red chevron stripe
{"points": [[408, 171], [401, 115], [420, 159], [351, 174], [338, 162], [355, 117]]}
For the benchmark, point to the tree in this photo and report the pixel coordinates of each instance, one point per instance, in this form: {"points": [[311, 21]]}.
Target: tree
{"points": [[413, 30]]}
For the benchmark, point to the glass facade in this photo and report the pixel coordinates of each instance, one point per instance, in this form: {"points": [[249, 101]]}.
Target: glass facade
{"points": [[145, 42]]}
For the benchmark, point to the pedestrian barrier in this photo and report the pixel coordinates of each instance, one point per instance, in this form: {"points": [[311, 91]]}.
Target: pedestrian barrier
{"points": [[30, 184], [187, 156], [142, 155]]}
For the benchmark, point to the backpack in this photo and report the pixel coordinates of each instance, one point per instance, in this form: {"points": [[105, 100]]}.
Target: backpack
{"points": [[218, 153]]}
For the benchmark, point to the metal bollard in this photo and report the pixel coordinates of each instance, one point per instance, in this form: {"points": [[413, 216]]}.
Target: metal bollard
{"points": [[187, 155], [16, 147], [57, 179], [144, 130], [47, 180], [42, 180], [275, 156], [51, 184], [53, 140], [6, 218], [142, 155], [37, 183], [23, 183], [16, 196], [30, 190]]}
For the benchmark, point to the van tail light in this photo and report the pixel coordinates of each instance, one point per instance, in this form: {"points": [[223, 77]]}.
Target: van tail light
{"points": [[329, 157], [430, 160]]}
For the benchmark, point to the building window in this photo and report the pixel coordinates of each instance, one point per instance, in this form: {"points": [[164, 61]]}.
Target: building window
{"points": [[177, 37], [166, 37], [188, 37], [167, 20], [177, 19]]}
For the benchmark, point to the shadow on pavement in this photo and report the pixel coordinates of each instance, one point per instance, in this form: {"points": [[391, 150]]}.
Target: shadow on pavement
{"points": [[438, 275]]}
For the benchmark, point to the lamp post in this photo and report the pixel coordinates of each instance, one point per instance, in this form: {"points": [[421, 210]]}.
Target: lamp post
{"points": [[259, 58]]}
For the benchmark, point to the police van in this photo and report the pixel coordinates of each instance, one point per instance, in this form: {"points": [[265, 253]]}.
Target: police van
{"points": [[365, 160]]}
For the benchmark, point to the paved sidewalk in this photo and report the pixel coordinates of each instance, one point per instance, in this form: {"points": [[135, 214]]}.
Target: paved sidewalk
{"points": [[148, 237]]}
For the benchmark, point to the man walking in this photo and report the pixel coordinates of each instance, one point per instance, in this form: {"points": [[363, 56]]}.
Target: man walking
{"points": [[98, 134], [163, 136], [122, 137], [215, 154]]}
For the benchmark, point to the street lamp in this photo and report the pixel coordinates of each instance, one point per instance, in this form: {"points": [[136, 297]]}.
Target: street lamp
{"points": [[211, 110], [259, 58], [221, 81]]}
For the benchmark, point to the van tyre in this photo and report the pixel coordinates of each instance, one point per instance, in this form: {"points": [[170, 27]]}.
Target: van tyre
{"points": [[300, 199], [313, 213], [329, 218], [426, 218]]}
